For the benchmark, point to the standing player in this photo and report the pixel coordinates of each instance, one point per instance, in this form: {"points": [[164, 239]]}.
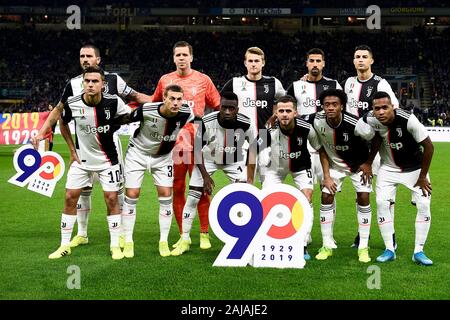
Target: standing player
{"points": [[342, 154], [256, 93], [114, 84], [199, 92], [289, 151], [218, 145], [94, 114], [402, 162], [307, 92], [150, 148], [360, 91]]}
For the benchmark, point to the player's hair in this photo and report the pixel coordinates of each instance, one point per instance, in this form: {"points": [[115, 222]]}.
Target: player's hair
{"points": [[315, 51], [381, 95], [364, 47], [94, 69], [174, 88], [229, 95], [333, 93], [183, 44], [92, 46], [255, 50], [285, 99]]}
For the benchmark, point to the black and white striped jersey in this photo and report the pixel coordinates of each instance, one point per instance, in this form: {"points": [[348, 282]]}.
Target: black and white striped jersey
{"points": [[94, 129], [222, 143], [360, 93], [256, 98], [114, 85], [345, 148], [290, 150], [157, 134], [400, 150], [307, 93]]}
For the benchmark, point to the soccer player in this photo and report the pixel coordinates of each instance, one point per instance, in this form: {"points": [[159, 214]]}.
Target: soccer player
{"points": [[256, 92], [360, 91], [342, 154], [218, 146], [402, 162], [289, 152], [150, 148], [94, 114], [307, 92], [199, 92], [114, 84]]}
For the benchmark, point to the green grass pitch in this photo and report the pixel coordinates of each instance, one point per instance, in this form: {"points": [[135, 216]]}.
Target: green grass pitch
{"points": [[29, 229]]}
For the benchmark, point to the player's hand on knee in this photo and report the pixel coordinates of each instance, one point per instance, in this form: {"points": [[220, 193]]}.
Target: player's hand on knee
{"points": [[74, 157], [329, 183], [425, 185], [366, 176]]}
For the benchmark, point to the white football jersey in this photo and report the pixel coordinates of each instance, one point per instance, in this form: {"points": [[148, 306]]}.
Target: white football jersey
{"points": [[157, 134], [94, 130], [400, 150]]}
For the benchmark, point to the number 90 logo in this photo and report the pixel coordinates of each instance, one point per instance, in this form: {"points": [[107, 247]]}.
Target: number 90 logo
{"points": [[243, 217]]}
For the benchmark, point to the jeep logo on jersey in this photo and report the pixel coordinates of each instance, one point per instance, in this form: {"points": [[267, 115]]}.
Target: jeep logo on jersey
{"points": [[226, 149], [399, 132], [311, 102], [342, 148], [345, 134], [166, 138], [255, 103], [359, 104], [369, 91], [95, 130], [291, 155], [396, 146]]}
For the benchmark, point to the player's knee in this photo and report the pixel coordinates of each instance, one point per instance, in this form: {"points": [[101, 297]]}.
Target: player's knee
{"points": [[111, 199], [71, 198], [327, 198], [423, 206], [362, 198], [133, 193], [382, 205], [164, 192]]}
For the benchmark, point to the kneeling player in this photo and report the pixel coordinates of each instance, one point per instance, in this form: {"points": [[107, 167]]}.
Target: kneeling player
{"points": [[218, 145], [289, 152]]}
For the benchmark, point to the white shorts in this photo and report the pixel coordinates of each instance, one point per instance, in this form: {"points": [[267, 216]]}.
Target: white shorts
{"points": [[376, 164], [339, 176], [303, 179], [111, 179], [136, 163], [236, 172], [387, 182]]}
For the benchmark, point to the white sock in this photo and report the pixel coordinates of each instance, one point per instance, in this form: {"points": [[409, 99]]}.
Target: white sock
{"points": [[364, 219], [165, 217], [385, 223], [326, 224], [189, 211], [423, 223], [308, 232], [114, 229], [83, 210], [67, 223], [392, 210], [128, 215], [121, 197]]}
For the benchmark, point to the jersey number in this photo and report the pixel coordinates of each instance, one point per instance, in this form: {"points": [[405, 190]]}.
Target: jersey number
{"points": [[170, 173], [112, 176]]}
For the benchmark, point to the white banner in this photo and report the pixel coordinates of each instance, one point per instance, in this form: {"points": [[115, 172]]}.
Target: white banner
{"points": [[439, 134]]}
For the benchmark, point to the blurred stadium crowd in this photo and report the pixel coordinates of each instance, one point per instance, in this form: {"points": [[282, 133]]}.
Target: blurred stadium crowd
{"points": [[42, 61]]}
